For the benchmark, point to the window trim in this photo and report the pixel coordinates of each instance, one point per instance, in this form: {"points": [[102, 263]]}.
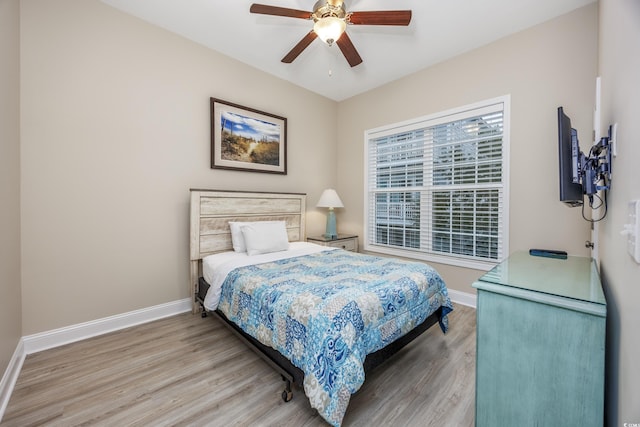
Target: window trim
{"points": [[450, 115]]}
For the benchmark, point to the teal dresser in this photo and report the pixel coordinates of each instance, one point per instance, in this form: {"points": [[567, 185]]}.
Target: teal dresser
{"points": [[540, 343]]}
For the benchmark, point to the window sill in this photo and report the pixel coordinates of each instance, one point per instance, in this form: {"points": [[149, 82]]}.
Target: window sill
{"points": [[440, 259]]}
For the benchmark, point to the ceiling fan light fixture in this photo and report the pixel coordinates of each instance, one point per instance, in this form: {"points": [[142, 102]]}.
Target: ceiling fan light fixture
{"points": [[330, 19], [329, 29]]}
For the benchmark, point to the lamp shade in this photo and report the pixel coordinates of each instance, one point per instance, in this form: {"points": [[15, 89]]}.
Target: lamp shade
{"points": [[330, 199], [329, 29]]}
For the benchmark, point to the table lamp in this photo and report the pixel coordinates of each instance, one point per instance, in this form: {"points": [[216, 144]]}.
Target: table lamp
{"points": [[330, 199]]}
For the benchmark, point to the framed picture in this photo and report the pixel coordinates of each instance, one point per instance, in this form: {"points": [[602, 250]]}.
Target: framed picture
{"points": [[246, 139]]}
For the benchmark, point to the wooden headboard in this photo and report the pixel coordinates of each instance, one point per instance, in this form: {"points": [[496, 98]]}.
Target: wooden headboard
{"points": [[211, 211]]}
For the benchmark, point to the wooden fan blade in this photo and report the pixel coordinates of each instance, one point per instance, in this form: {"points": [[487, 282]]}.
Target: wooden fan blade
{"points": [[349, 50], [382, 17], [279, 11], [302, 45]]}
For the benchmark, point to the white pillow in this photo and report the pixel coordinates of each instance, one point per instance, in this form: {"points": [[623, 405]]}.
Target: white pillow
{"points": [[265, 237], [237, 239]]}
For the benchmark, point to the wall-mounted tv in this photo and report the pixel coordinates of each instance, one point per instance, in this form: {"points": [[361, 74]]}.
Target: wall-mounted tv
{"points": [[579, 174], [569, 161]]}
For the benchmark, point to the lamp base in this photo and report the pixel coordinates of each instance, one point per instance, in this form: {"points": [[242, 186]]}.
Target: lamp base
{"points": [[330, 232]]}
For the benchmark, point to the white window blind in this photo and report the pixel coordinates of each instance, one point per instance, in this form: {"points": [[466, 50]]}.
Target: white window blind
{"points": [[436, 186]]}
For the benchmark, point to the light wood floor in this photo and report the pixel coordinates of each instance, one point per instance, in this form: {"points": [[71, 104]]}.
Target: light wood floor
{"points": [[186, 370]]}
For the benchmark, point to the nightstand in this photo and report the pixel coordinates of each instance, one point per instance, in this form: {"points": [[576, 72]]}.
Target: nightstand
{"points": [[348, 242]]}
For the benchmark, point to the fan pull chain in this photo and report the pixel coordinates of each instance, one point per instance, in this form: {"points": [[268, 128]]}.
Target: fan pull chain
{"points": [[331, 61]]}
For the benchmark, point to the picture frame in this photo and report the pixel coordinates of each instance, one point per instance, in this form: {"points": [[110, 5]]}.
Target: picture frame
{"points": [[246, 139]]}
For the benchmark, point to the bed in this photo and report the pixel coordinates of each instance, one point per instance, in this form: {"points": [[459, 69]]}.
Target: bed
{"points": [[321, 316]]}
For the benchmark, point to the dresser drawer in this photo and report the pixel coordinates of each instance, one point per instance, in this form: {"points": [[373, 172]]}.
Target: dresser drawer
{"points": [[349, 245], [346, 242]]}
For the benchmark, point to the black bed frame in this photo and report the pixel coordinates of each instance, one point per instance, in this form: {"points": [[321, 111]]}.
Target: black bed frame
{"points": [[294, 375]]}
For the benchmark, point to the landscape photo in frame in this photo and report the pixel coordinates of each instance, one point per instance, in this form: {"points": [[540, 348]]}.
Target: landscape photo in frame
{"points": [[246, 139]]}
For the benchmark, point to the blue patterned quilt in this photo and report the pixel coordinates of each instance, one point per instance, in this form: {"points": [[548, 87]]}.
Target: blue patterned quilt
{"points": [[326, 311]]}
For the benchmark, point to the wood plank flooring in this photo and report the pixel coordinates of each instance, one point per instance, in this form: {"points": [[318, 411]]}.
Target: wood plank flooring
{"points": [[186, 370]]}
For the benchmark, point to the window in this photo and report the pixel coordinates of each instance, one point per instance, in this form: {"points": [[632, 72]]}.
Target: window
{"points": [[437, 186]]}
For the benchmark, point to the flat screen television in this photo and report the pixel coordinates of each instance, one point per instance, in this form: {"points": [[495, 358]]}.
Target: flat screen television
{"points": [[571, 192]]}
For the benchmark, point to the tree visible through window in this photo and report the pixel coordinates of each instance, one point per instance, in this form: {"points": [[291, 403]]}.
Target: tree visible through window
{"points": [[436, 185]]}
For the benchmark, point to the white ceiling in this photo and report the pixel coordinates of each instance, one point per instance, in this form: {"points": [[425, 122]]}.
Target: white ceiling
{"points": [[439, 29]]}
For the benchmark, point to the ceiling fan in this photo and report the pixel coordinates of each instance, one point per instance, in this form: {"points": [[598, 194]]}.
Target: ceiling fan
{"points": [[330, 21]]}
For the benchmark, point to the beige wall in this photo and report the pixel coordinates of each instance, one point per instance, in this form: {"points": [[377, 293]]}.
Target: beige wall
{"points": [[10, 317], [116, 129], [546, 66], [115, 125], [619, 66]]}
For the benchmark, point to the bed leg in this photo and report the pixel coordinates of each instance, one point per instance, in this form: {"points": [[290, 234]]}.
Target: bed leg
{"points": [[203, 311], [287, 393]]}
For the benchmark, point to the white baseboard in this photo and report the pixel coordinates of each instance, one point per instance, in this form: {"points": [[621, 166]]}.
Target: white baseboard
{"points": [[11, 376], [57, 337], [463, 298]]}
